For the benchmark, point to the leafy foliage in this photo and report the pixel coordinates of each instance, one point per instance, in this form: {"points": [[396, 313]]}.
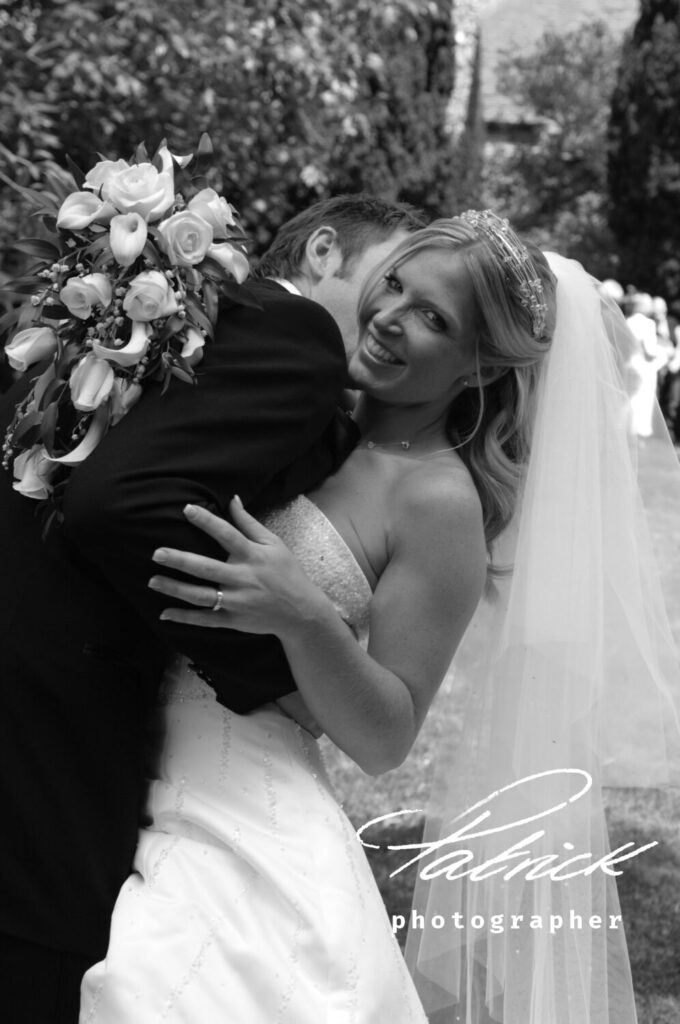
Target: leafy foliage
{"points": [[556, 189], [302, 98], [644, 138]]}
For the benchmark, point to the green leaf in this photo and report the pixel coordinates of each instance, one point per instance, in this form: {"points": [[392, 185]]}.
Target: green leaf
{"points": [[78, 175], [211, 299], [173, 325], [26, 286], [205, 147], [29, 422], [53, 393], [141, 154], [68, 355], [50, 221], [188, 378], [55, 312], [39, 247], [197, 315], [9, 319], [150, 252], [95, 247], [49, 426], [32, 196]]}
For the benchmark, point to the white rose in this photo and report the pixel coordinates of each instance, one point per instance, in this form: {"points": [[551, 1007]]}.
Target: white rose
{"points": [[81, 209], [32, 471], [80, 294], [30, 346], [149, 296], [98, 177], [214, 209], [192, 350], [231, 259], [186, 237], [91, 383], [129, 354], [141, 189]]}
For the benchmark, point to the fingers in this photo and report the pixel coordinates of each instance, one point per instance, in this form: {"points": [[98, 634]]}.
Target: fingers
{"points": [[202, 597], [247, 524], [192, 565], [213, 620], [226, 535]]}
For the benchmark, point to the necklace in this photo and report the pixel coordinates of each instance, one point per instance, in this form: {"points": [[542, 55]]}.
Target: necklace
{"points": [[389, 444], [405, 445]]}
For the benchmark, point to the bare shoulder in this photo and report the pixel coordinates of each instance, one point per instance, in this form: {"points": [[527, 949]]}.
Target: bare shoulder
{"points": [[437, 537], [441, 496]]}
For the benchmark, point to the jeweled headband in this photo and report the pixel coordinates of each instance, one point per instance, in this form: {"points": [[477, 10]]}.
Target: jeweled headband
{"points": [[519, 266]]}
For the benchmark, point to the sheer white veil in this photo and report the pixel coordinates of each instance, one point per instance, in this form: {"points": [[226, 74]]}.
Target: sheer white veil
{"points": [[572, 681]]}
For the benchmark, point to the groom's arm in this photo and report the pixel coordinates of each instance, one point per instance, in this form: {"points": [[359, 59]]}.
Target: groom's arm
{"points": [[267, 392]]}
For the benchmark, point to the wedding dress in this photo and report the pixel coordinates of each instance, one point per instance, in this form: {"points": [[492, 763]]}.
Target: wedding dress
{"points": [[252, 901]]}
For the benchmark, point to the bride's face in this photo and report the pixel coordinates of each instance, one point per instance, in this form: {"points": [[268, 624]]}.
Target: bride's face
{"points": [[417, 335]]}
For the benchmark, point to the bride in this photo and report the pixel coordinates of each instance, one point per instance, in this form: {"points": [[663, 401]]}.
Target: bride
{"points": [[251, 900]]}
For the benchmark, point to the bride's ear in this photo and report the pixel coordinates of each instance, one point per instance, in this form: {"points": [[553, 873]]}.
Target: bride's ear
{"points": [[486, 375], [322, 253]]}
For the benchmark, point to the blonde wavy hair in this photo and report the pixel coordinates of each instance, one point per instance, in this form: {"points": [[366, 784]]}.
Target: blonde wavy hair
{"points": [[491, 425]]}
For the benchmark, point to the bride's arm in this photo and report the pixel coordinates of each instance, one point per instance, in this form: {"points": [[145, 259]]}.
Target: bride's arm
{"points": [[371, 704]]}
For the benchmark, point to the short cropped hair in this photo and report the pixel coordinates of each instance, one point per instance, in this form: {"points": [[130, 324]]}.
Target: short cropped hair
{"points": [[360, 220]]}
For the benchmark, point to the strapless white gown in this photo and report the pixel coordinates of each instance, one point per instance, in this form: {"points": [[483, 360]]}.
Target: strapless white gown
{"points": [[252, 901]]}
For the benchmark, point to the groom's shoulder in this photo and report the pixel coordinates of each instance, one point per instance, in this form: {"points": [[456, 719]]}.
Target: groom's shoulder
{"points": [[282, 312]]}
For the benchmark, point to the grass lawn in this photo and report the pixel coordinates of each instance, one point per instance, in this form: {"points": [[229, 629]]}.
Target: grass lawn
{"points": [[649, 888]]}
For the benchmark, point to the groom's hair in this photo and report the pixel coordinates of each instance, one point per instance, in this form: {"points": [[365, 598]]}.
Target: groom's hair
{"points": [[360, 220]]}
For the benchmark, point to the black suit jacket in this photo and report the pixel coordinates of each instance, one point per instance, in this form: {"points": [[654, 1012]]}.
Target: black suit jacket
{"points": [[81, 643]]}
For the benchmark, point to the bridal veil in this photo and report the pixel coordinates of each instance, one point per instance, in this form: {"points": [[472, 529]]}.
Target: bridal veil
{"points": [[572, 682]]}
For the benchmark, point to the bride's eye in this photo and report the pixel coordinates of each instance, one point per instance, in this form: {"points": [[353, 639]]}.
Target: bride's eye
{"points": [[435, 319], [392, 282]]}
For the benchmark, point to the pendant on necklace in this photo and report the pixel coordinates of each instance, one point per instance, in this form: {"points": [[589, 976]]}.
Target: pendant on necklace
{"points": [[402, 444]]}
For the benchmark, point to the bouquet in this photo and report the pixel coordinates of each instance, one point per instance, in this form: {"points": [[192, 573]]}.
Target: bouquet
{"points": [[126, 290]]}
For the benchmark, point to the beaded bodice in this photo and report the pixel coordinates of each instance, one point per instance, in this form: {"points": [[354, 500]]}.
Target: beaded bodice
{"points": [[326, 559]]}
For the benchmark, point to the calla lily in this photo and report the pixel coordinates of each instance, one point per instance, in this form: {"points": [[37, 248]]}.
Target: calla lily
{"points": [[129, 354], [91, 383], [81, 209], [127, 237], [33, 470], [231, 259], [95, 433], [124, 395], [192, 350], [30, 346]]}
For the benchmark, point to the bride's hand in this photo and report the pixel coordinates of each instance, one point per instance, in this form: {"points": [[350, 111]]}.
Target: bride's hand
{"points": [[263, 587]]}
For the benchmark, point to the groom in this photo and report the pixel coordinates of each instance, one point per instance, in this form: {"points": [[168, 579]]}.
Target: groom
{"points": [[82, 645]]}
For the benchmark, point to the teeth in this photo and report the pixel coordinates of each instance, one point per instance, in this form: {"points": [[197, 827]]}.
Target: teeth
{"points": [[378, 352]]}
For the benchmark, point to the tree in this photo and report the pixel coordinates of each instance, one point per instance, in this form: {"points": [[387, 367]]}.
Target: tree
{"points": [[644, 151], [302, 98], [556, 188]]}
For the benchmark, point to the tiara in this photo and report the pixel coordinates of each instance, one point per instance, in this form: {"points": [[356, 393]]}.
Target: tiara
{"points": [[519, 266]]}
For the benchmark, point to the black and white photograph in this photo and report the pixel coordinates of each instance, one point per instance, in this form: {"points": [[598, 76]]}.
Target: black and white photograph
{"points": [[340, 511]]}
